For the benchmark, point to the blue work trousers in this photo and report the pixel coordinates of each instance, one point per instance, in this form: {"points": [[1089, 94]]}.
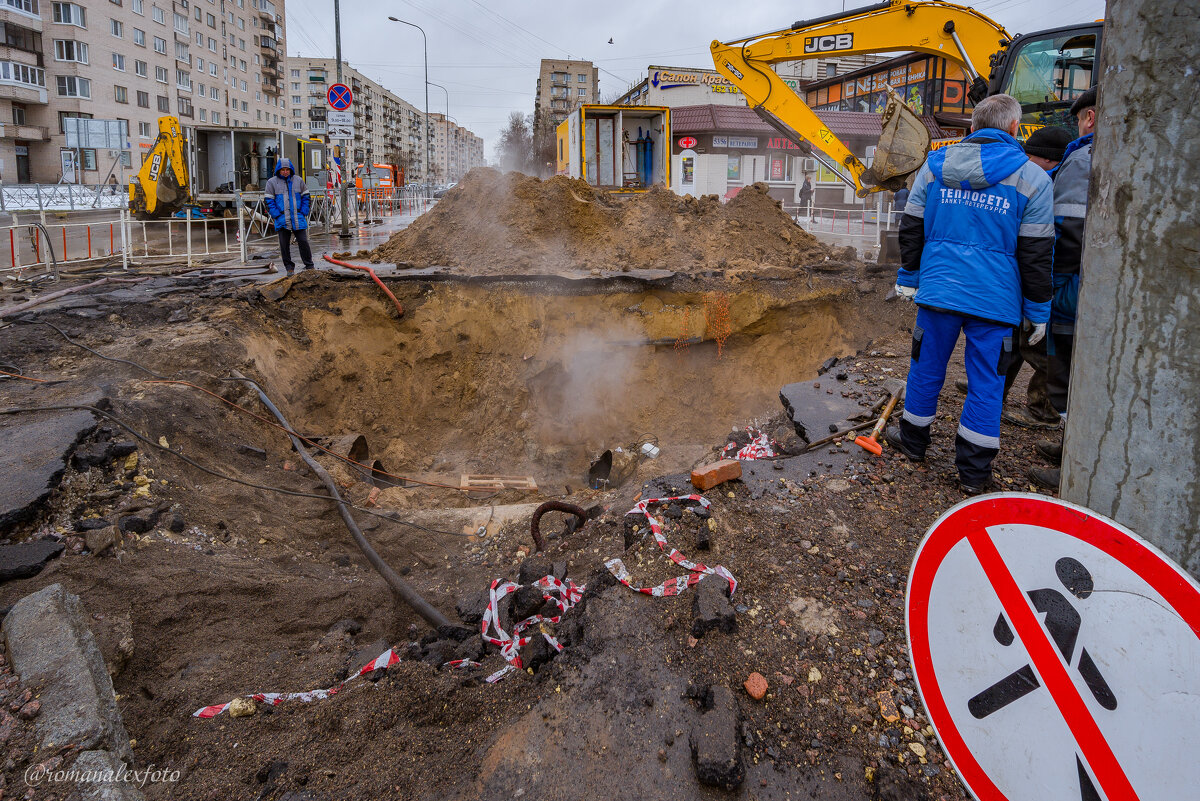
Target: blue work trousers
{"points": [[989, 351]]}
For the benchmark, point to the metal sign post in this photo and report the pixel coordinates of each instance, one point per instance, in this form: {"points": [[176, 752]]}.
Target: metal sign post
{"points": [[337, 33]]}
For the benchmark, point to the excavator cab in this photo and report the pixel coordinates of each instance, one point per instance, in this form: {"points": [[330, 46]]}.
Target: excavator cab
{"points": [[1046, 72]]}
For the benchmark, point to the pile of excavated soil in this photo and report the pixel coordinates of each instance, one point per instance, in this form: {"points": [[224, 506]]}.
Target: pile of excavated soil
{"points": [[496, 222]]}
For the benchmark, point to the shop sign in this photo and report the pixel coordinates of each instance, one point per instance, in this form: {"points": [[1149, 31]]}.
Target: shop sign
{"points": [[662, 79], [741, 142], [687, 142], [782, 143], [777, 169]]}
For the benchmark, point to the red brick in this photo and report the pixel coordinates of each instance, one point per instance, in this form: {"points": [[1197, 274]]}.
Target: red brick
{"points": [[756, 686], [710, 475]]}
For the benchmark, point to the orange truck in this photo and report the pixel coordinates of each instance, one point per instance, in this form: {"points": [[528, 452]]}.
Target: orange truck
{"points": [[377, 180]]}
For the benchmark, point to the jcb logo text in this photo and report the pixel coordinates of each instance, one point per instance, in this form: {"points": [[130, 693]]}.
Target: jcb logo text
{"points": [[825, 44]]}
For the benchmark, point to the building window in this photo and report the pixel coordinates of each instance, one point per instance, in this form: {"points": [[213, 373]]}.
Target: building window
{"points": [[69, 14], [199, 14], [582, 78], [582, 92], [245, 106], [13, 72], [214, 93], [120, 94], [295, 100], [212, 69], [140, 67], [70, 86], [212, 44], [18, 114], [181, 53], [144, 130], [185, 108], [160, 45], [164, 104], [181, 22], [199, 39], [216, 118], [297, 126], [137, 7], [203, 112], [161, 74], [143, 99], [88, 158], [117, 28], [118, 62], [212, 21], [183, 80], [63, 116], [159, 15], [70, 50], [139, 37]]}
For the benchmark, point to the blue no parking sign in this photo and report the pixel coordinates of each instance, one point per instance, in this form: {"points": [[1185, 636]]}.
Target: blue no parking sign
{"points": [[339, 97]]}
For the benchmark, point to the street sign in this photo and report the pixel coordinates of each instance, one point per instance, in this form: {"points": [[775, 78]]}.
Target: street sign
{"points": [[99, 134], [339, 97], [688, 142], [340, 118], [1057, 653], [340, 131]]}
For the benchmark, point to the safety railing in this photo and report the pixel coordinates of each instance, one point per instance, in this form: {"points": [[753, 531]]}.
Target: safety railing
{"points": [[61, 197]]}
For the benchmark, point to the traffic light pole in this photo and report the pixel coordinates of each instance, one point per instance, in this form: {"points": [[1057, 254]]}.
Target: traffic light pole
{"points": [[344, 233]]}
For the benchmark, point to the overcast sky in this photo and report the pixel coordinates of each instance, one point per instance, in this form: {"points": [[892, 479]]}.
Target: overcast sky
{"points": [[486, 52]]}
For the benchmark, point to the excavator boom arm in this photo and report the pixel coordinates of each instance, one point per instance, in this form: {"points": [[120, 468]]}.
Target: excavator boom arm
{"points": [[955, 32], [163, 180]]}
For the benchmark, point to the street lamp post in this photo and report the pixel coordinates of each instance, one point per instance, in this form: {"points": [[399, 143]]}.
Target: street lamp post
{"points": [[447, 115], [426, 46]]}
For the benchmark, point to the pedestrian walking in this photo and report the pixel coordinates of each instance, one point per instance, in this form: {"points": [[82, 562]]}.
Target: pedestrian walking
{"points": [[289, 203], [806, 195], [976, 244]]}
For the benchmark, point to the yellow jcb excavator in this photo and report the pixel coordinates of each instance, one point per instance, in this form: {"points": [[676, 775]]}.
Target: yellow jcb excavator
{"points": [[1043, 70], [162, 187]]}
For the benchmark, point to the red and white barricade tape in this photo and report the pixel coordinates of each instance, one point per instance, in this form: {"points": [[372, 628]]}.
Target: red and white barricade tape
{"points": [[676, 585], [760, 447], [564, 595], [384, 660]]}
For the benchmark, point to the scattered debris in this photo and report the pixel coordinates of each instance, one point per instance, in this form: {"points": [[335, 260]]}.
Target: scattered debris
{"points": [[710, 475], [756, 686], [716, 749]]}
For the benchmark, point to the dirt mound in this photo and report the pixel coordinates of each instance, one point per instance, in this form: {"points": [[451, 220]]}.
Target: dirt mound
{"points": [[496, 222]]}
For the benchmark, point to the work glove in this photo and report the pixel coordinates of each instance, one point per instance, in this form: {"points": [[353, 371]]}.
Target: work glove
{"points": [[906, 292], [1036, 331]]}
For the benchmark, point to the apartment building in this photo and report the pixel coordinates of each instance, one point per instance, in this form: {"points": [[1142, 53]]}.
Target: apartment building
{"points": [[208, 62], [455, 150], [563, 86], [387, 130]]}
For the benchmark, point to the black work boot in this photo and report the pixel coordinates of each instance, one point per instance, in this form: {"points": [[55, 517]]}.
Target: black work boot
{"points": [[896, 438], [974, 463], [1050, 451], [1047, 477]]}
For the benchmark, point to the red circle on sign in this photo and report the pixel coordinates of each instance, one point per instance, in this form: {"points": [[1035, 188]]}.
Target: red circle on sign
{"points": [[688, 142], [967, 521], [339, 97]]}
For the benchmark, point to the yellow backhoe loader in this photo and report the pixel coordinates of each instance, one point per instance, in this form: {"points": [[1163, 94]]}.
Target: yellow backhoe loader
{"points": [[161, 187], [1043, 70]]}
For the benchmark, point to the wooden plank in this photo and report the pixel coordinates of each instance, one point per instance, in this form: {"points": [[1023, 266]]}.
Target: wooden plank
{"points": [[479, 481]]}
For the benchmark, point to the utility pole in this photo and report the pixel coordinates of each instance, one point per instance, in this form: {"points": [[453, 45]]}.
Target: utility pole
{"points": [[344, 233], [1130, 449]]}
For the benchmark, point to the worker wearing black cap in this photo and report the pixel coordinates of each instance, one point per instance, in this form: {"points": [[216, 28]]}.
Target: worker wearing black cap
{"points": [[1045, 148]]}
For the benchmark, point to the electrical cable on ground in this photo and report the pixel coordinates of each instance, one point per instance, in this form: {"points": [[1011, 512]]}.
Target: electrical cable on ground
{"points": [[410, 596]]}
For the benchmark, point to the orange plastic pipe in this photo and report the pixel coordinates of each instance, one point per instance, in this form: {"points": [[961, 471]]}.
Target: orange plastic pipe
{"points": [[374, 278]]}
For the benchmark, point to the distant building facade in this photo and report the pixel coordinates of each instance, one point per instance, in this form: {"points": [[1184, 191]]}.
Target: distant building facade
{"points": [[564, 85], [208, 62]]}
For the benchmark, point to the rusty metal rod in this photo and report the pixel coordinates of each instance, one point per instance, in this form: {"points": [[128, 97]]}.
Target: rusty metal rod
{"points": [[407, 594], [552, 506]]}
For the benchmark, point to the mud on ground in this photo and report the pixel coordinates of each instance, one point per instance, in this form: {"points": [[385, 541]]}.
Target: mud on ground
{"points": [[494, 222], [229, 589]]}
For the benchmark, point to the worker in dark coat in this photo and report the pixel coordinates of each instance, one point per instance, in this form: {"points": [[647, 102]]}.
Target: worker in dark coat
{"points": [[976, 243], [288, 201]]}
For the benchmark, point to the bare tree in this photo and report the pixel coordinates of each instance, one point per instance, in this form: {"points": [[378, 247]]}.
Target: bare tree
{"points": [[515, 150]]}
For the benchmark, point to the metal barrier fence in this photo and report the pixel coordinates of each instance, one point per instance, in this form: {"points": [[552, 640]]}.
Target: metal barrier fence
{"points": [[61, 197], [866, 226], [36, 250]]}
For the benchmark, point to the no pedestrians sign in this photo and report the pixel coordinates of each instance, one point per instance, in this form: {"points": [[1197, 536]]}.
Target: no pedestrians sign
{"points": [[1057, 653]]}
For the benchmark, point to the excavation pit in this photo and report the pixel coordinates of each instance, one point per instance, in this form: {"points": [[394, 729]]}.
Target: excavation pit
{"points": [[528, 378]]}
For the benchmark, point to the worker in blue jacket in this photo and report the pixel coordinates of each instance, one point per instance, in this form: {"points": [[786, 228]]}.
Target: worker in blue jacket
{"points": [[976, 244], [288, 201]]}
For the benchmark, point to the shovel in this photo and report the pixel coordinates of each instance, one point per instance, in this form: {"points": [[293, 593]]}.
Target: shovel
{"points": [[871, 441]]}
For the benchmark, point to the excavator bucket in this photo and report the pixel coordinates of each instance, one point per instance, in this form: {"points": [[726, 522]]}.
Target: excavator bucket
{"points": [[902, 147]]}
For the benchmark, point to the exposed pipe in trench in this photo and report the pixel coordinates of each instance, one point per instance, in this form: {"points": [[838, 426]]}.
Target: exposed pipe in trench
{"points": [[407, 594], [369, 272], [553, 506]]}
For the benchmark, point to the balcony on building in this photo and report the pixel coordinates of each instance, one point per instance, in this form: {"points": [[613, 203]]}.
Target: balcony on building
{"points": [[316, 114], [267, 44], [23, 83], [33, 133], [26, 13]]}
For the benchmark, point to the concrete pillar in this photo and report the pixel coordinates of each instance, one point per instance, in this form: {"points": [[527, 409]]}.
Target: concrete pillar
{"points": [[1132, 446]]}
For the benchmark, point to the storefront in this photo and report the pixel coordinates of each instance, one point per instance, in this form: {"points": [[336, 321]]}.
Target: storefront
{"points": [[717, 150], [685, 86], [930, 85]]}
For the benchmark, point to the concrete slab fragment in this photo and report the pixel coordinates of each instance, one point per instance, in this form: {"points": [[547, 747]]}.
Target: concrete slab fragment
{"points": [[35, 450], [26, 559], [813, 406]]}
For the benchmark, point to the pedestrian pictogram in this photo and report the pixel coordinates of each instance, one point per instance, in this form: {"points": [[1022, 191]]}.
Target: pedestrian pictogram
{"points": [[1057, 653], [340, 97]]}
